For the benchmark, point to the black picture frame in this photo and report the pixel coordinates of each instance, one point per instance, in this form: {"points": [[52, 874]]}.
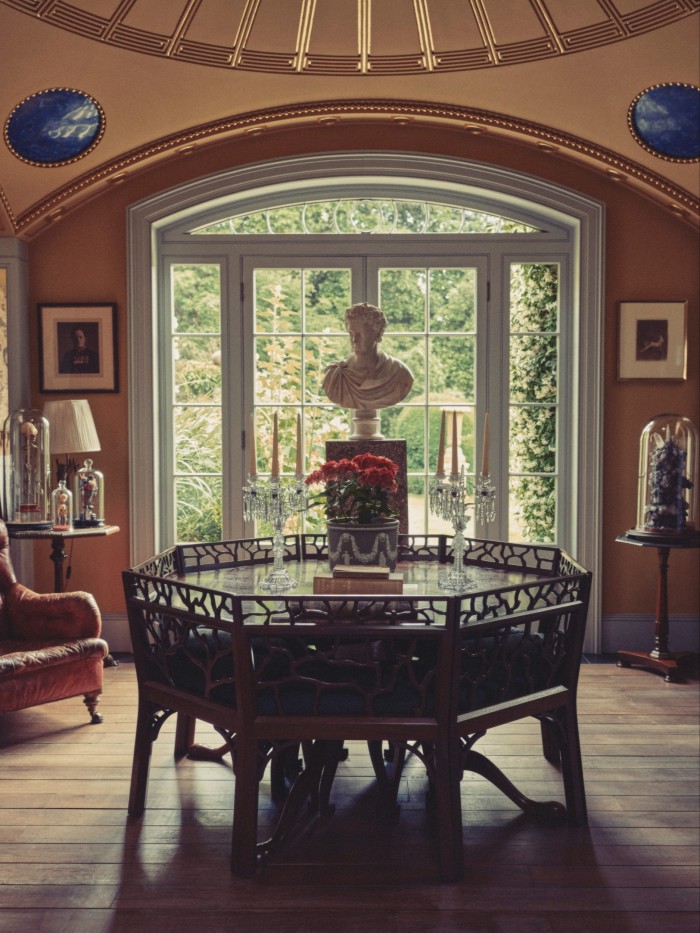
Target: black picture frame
{"points": [[78, 348], [652, 340]]}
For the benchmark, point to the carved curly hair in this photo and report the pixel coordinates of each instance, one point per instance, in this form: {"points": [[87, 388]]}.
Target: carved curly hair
{"points": [[373, 316]]}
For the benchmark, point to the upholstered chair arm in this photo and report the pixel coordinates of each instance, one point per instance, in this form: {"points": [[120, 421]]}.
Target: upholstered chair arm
{"points": [[52, 615]]}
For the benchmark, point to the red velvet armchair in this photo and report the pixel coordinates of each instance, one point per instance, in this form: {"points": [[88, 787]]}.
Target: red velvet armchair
{"points": [[50, 645]]}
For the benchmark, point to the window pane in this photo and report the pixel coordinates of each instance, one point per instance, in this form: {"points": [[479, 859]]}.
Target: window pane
{"points": [[533, 368], [196, 295], [532, 509], [411, 352], [196, 375], [197, 369], [263, 418], [287, 439], [533, 439], [319, 217], [409, 424], [451, 368], [533, 380], [277, 300], [286, 435], [444, 219], [363, 216], [402, 298], [288, 219], [246, 224], [326, 298], [321, 424], [319, 351], [197, 439], [198, 508], [416, 504], [278, 369], [464, 418], [452, 294], [534, 297]]}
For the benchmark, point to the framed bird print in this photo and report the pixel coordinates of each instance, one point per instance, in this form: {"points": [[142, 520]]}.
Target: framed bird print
{"points": [[652, 342]]}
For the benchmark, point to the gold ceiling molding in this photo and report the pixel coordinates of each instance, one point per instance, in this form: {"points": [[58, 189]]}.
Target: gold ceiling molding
{"points": [[350, 38], [9, 215], [410, 113]]}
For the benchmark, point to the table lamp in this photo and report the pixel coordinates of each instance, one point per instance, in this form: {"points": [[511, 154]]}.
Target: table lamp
{"points": [[72, 431]]}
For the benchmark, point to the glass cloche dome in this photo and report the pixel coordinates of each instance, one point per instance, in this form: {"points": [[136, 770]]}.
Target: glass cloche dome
{"points": [[667, 500]]}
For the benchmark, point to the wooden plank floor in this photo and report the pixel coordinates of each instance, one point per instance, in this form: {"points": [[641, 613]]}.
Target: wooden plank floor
{"points": [[72, 861]]}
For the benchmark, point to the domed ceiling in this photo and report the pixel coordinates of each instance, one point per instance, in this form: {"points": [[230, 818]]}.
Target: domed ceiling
{"points": [[158, 77]]}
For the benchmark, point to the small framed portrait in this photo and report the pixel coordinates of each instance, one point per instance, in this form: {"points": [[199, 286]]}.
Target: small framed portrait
{"points": [[78, 348], [652, 340]]}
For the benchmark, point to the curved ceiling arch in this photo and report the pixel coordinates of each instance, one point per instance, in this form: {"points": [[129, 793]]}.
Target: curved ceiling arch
{"points": [[466, 120]]}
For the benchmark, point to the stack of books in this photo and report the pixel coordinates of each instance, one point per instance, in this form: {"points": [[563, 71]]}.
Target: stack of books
{"points": [[358, 580]]}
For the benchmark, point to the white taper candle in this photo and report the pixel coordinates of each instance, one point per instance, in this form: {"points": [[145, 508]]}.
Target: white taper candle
{"points": [[300, 446], [455, 467], [485, 450], [275, 447], [252, 453], [441, 446]]}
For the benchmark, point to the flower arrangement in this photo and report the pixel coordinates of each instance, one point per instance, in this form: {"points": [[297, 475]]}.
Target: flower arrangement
{"points": [[358, 491]]}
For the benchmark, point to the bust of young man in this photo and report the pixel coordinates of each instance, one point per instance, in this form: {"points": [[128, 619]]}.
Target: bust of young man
{"points": [[368, 378]]}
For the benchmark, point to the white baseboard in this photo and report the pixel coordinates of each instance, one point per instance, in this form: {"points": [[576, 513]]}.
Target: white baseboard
{"points": [[636, 633], [115, 631]]}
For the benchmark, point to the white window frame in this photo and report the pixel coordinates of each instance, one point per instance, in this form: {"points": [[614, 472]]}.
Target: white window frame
{"points": [[14, 260], [575, 221]]}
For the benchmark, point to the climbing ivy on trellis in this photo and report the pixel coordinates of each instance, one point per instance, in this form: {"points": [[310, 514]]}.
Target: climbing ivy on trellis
{"points": [[534, 355]]}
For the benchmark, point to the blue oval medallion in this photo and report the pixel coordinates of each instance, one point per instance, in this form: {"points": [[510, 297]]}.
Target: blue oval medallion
{"points": [[665, 120], [54, 126]]}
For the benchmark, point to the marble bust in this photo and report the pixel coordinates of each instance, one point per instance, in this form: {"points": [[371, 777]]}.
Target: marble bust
{"points": [[368, 378]]}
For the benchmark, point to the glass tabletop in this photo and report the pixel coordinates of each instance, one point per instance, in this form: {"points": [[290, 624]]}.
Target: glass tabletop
{"points": [[421, 578]]}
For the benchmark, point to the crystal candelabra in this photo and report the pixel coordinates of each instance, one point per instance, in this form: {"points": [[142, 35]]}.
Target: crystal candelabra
{"points": [[448, 500], [275, 500]]}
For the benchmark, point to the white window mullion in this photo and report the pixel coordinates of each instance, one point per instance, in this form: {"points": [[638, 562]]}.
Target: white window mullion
{"points": [[232, 411], [164, 381]]}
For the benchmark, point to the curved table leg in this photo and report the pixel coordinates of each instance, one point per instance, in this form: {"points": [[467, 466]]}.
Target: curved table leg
{"points": [[479, 764], [198, 752]]}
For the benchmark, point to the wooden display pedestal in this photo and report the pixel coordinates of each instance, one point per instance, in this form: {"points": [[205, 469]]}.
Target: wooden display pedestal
{"points": [[659, 659]]}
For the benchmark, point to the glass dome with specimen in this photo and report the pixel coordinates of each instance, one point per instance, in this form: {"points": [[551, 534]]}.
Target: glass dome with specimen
{"points": [[88, 497], [26, 470], [667, 501], [62, 507]]}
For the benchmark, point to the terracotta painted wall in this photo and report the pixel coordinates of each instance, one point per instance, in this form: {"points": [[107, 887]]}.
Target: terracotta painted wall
{"points": [[650, 254]]}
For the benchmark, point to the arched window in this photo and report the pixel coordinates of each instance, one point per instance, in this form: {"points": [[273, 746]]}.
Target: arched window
{"points": [[361, 215], [490, 282]]}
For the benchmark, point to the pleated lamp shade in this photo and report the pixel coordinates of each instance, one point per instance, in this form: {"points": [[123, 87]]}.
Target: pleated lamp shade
{"points": [[71, 427]]}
